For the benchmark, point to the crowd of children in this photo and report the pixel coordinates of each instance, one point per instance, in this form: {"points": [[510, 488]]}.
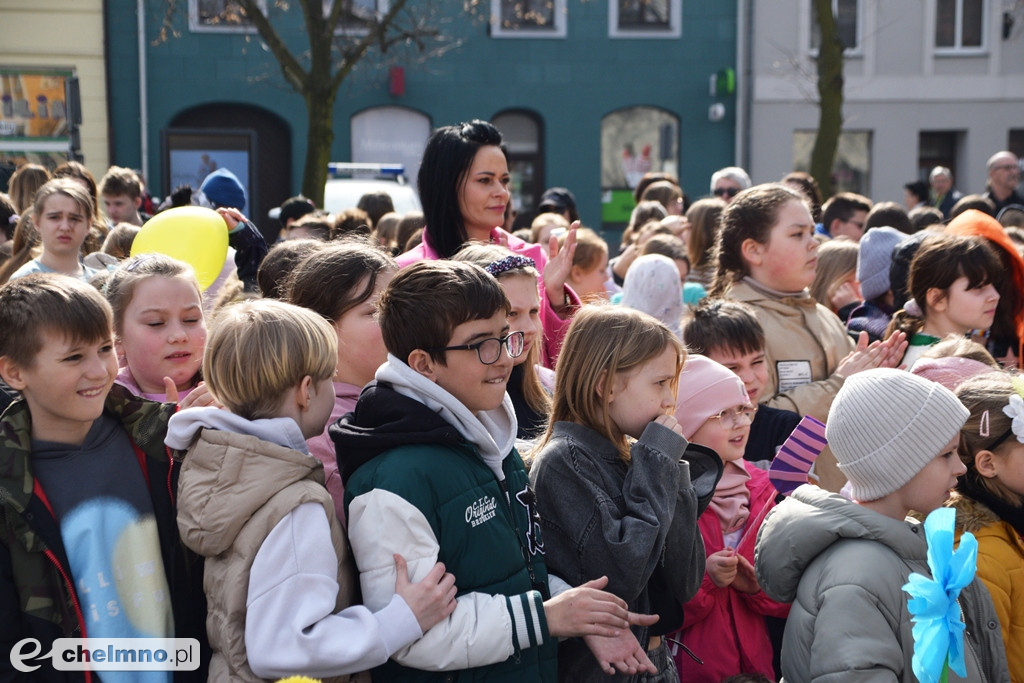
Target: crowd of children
{"points": [[499, 454]]}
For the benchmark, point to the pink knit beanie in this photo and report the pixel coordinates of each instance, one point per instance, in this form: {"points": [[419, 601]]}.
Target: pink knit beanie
{"points": [[706, 388], [950, 371]]}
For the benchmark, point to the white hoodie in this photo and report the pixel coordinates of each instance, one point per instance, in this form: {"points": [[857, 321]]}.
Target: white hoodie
{"points": [[290, 625]]}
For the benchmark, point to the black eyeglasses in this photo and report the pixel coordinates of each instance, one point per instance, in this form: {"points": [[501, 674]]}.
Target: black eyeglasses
{"points": [[722, 191], [489, 350]]}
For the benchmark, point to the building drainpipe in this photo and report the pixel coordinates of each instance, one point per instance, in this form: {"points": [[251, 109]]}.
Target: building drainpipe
{"points": [[143, 97], [745, 89]]}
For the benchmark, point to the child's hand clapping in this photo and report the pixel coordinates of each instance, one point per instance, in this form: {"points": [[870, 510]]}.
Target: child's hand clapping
{"points": [[879, 354], [722, 567], [846, 293], [431, 599]]}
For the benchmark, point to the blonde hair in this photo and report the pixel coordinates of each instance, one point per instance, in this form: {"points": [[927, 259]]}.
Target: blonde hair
{"points": [[24, 184], [120, 287], [68, 188], [959, 346], [644, 212], [705, 215], [603, 341], [986, 396], [590, 249], [837, 263], [118, 242], [258, 350], [543, 220]]}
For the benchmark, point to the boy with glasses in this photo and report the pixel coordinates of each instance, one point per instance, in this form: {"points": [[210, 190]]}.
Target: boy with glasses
{"points": [[431, 472], [844, 215]]}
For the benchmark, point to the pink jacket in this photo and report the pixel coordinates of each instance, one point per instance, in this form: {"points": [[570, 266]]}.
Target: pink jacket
{"points": [[722, 626], [554, 326], [322, 448]]}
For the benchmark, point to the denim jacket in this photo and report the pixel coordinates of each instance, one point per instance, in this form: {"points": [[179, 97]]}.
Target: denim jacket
{"points": [[602, 516]]}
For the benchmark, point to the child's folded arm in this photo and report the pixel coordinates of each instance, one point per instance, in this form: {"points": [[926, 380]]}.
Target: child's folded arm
{"points": [[483, 629], [684, 555], [291, 627]]}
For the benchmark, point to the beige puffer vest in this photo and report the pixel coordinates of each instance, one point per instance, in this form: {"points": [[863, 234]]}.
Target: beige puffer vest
{"points": [[232, 492]]}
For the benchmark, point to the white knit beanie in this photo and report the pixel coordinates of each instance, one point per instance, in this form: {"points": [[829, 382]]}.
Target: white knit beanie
{"points": [[885, 425], [652, 285]]}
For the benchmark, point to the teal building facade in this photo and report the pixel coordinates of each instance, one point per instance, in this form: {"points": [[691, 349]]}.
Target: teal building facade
{"points": [[601, 92]]}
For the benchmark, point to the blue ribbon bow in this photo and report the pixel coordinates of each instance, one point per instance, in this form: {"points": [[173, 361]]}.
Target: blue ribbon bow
{"points": [[938, 625]]}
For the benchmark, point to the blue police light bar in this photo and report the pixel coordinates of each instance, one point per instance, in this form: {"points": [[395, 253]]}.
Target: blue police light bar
{"points": [[356, 170]]}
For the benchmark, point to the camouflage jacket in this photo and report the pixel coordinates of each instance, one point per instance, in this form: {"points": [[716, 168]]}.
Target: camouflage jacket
{"points": [[37, 595]]}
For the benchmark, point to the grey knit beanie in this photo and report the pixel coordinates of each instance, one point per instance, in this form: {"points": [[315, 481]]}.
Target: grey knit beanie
{"points": [[874, 259], [885, 425]]}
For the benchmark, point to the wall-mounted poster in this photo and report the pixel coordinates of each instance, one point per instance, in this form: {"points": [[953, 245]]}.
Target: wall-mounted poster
{"points": [[32, 103], [189, 155], [634, 141], [33, 117]]}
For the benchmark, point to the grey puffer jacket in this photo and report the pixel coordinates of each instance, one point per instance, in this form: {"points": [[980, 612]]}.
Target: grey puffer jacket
{"points": [[843, 567]]}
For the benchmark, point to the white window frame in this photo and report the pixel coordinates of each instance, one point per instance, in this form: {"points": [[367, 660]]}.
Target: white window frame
{"points": [[196, 26], [674, 30], [559, 30], [382, 8], [957, 50], [855, 51]]}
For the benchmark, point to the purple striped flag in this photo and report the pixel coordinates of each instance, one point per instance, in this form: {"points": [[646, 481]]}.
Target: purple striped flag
{"points": [[791, 465]]}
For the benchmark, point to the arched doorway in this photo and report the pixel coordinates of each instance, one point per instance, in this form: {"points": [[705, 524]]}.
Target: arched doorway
{"points": [[390, 134], [271, 167]]}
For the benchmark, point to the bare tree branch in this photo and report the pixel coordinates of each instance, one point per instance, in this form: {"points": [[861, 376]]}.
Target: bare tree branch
{"points": [[291, 69]]}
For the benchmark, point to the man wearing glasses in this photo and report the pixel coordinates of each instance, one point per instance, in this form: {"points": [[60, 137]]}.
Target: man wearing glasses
{"points": [[1003, 177], [728, 182]]}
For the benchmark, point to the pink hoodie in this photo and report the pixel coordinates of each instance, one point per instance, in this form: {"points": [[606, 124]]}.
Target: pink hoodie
{"points": [[322, 448]]}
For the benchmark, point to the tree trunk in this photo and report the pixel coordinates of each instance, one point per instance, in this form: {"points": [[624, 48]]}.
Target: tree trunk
{"points": [[320, 118], [830, 103]]}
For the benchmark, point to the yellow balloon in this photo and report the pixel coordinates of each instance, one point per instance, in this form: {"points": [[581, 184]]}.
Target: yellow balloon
{"points": [[193, 234]]}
